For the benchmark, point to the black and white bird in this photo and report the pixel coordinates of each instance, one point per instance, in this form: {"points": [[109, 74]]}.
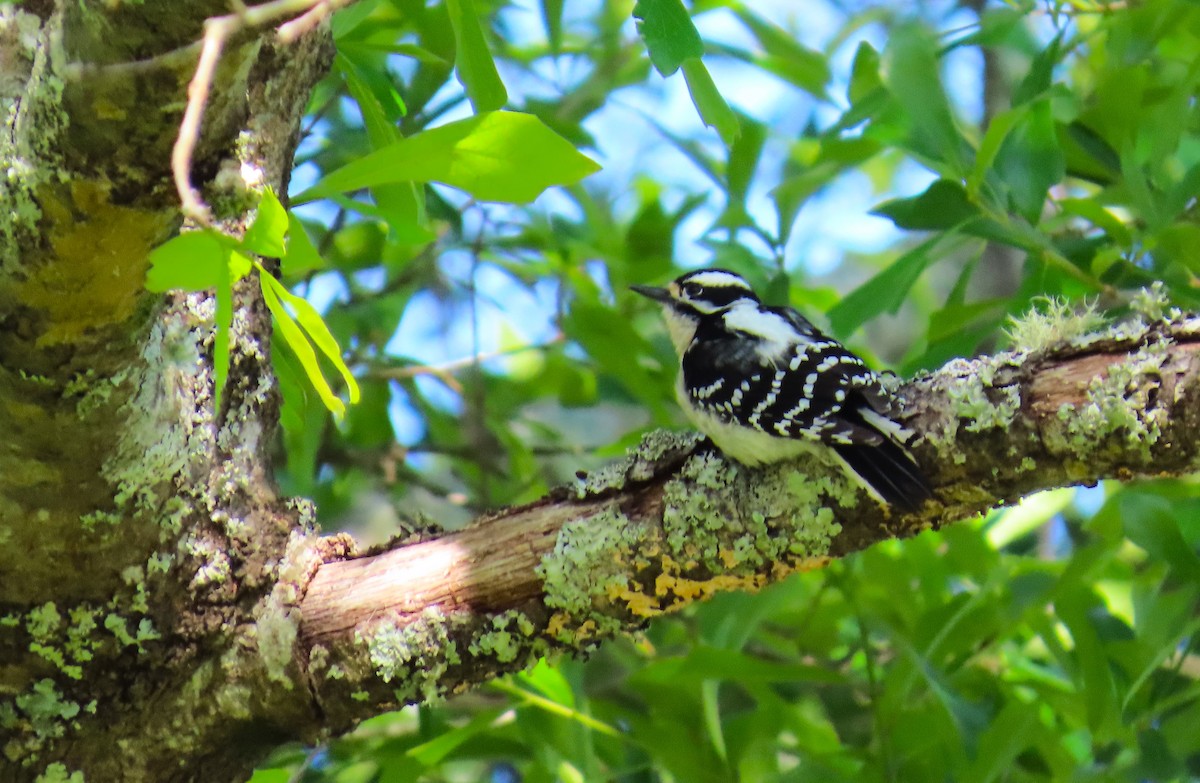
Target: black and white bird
{"points": [[765, 385]]}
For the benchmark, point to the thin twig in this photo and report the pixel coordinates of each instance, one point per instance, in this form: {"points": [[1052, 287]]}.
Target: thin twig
{"points": [[78, 71], [554, 708], [442, 375], [218, 30], [444, 371], [215, 32], [290, 32]]}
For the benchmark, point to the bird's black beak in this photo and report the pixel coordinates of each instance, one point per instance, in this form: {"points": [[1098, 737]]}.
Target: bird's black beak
{"points": [[650, 292]]}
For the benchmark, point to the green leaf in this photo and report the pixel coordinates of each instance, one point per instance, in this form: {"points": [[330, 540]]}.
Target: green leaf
{"points": [[368, 425], [401, 204], [1115, 107], [1180, 195], [1010, 733], [500, 156], [998, 130], [744, 157], [835, 156], [224, 322], [473, 61], [1041, 72], [1093, 673], [711, 709], [553, 707], [239, 265], [997, 26], [303, 420], [670, 36], [956, 319], [265, 235], [314, 329], [204, 260], [913, 77], [1150, 522], [1094, 212], [1142, 197], [864, 73], [1178, 243], [348, 18], [314, 326], [1030, 161], [704, 662], [380, 130], [300, 346], [944, 204], [1010, 524], [360, 48], [193, 261], [1017, 233], [302, 255], [271, 776], [436, 749], [786, 58], [957, 330], [607, 336], [708, 101], [550, 682], [886, 291], [1088, 155], [650, 238]]}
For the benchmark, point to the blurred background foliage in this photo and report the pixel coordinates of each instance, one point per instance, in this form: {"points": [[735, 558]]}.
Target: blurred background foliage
{"points": [[908, 174]]}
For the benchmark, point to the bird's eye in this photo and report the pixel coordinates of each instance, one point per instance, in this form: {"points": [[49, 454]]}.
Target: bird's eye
{"points": [[691, 290]]}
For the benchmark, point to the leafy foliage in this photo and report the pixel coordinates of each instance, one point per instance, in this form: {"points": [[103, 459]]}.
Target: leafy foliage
{"points": [[917, 173], [208, 259], [498, 156]]}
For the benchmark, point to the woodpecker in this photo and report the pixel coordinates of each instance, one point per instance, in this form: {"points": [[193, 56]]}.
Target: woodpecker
{"points": [[765, 385]]}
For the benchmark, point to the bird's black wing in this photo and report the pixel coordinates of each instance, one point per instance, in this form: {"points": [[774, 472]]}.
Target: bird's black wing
{"points": [[817, 389], [800, 392]]}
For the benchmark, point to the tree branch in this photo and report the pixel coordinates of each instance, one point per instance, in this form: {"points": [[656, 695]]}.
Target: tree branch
{"points": [[676, 523]]}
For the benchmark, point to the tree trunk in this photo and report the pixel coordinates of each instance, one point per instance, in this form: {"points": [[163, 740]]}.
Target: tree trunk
{"points": [[146, 629]]}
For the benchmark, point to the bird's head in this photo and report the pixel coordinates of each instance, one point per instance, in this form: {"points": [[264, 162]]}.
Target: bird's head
{"points": [[697, 295]]}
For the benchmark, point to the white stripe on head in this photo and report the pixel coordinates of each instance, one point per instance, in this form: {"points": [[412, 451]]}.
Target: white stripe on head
{"points": [[716, 278], [711, 290]]}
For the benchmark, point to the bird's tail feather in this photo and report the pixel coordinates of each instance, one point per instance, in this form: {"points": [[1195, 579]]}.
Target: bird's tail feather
{"points": [[890, 471]]}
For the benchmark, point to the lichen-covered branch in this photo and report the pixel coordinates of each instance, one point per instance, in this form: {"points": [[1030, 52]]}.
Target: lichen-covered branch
{"points": [[676, 522]]}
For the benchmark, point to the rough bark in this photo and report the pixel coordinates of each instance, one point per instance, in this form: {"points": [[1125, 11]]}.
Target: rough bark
{"points": [[164, 615], [140, 532]]}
